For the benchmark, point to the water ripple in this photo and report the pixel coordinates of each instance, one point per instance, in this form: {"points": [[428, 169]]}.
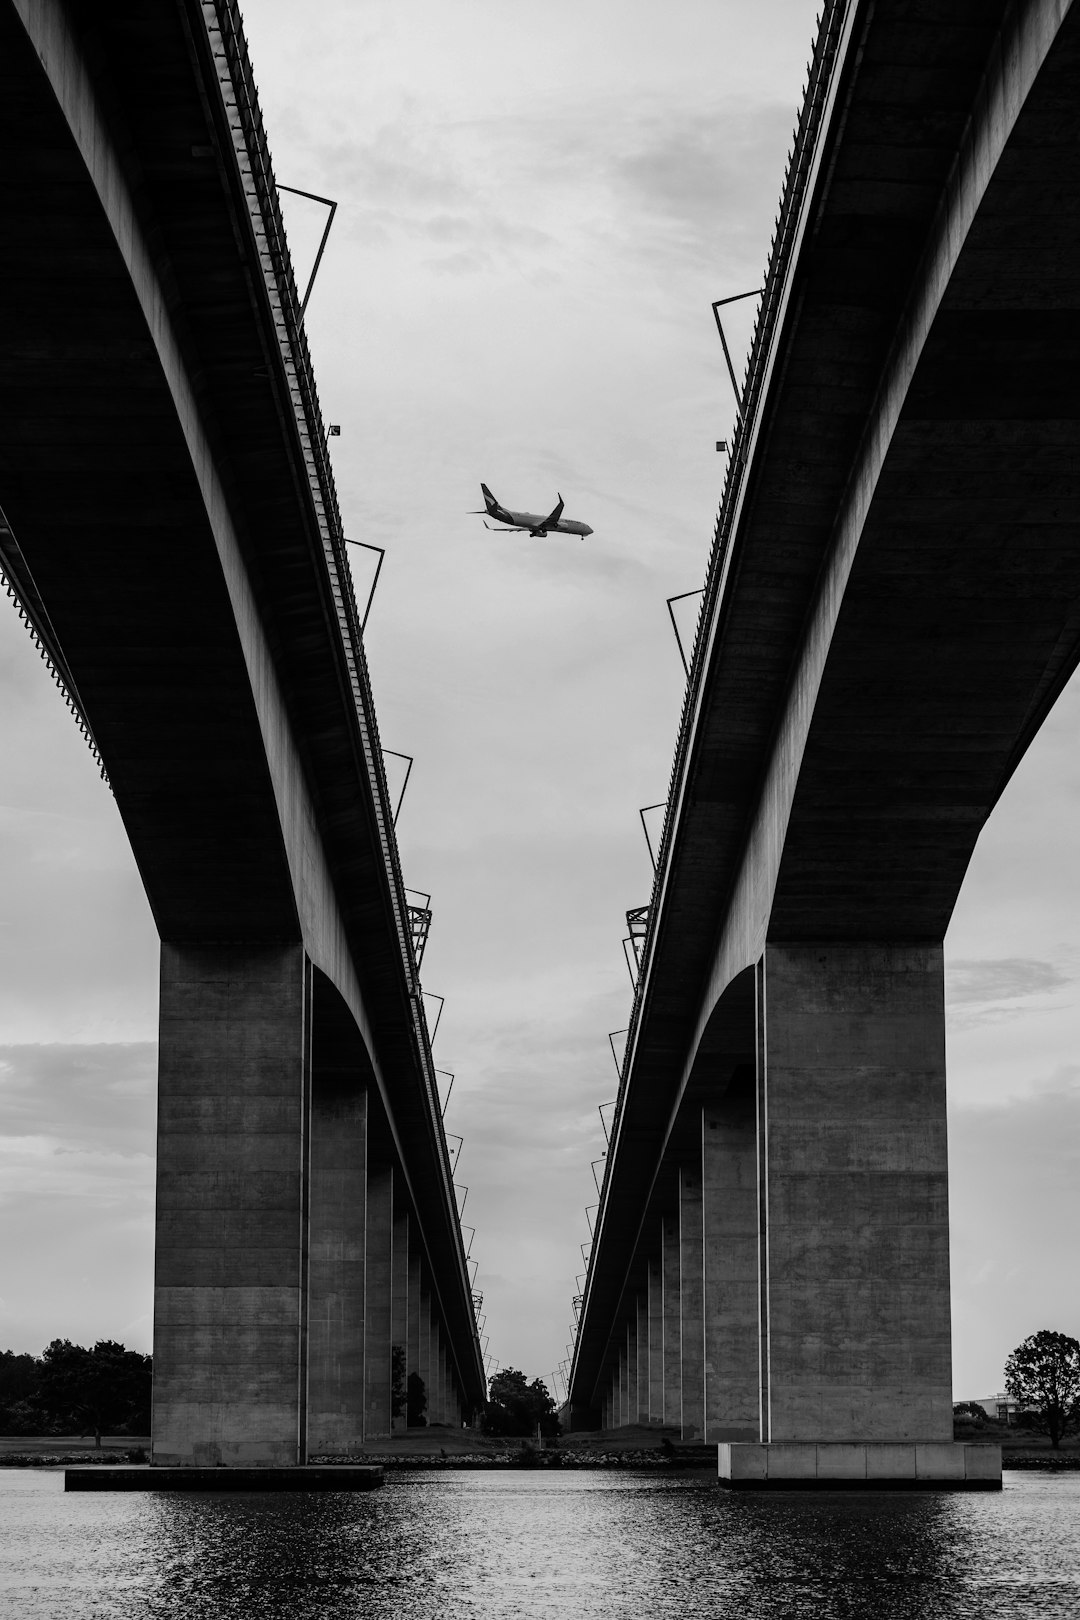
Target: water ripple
{"points": [[497, 1546]]}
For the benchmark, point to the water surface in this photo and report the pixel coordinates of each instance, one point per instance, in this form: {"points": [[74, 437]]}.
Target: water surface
{"points": [[591, 1546]]}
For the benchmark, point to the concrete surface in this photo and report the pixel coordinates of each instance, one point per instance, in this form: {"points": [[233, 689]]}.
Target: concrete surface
{"points": [[860, 1465]]}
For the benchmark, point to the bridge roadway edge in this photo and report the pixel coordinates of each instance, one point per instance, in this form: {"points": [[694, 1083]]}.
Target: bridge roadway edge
{"points": [[319, 919], [749, 921]]}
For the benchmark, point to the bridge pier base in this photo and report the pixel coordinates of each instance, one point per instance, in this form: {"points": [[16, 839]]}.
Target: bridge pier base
{"points": [[853, 1466]]}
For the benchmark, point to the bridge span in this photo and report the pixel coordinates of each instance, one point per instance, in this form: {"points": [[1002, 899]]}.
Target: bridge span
{"points": [[171, 532], [891, 607]]}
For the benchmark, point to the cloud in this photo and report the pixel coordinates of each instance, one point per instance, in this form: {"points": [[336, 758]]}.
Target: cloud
{"points": [[1002, 978], [713, 174], [98, 1096]]}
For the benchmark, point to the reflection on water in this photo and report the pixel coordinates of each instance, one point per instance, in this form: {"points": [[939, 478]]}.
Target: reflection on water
{"points": [[588, 1546]]}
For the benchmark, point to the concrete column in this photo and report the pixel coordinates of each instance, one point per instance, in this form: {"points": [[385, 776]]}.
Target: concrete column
{"points": [[643, 1369], [620, 1389], [437, 1370], [379, 1311], [730, 1222], [229, 1294], [399, 1301], [413, 1350], [855, 1253], [435, 1398], [669, 1245], [656, 1341], [631, 1367], [337, 1277], [446, 1399], [691, 1303], [424, 1366]]}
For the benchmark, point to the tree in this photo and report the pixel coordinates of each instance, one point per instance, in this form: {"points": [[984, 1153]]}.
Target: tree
{"points": [[107, 1387], [516, 1407], [970, 1410], [1043, 1375], [18, 1386]]}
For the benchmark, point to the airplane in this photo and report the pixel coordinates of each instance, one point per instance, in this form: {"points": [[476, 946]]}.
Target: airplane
{"points": [[529, 522]]}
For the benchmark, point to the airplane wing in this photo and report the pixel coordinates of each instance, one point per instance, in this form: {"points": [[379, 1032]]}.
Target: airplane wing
{"points": [[550, 522]]}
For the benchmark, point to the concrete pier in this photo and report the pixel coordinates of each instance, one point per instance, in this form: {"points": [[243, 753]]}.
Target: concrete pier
{"points": [[730, 1223], [644, 1373], [855, 1263], [278, 1289], [338, 1264], [806, 1265], [656, 1340], [379, 1301], [691, 1302], [229, 1265], [669, 1239]]}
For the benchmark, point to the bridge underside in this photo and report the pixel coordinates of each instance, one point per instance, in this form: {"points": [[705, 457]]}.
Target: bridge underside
{"points": [[899, 608]]}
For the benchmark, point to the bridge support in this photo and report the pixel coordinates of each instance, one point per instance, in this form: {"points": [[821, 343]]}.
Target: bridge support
{"points": [[279, 1295], [644, 1372], [656, 1341], [378, 1352], [691, 1303], [799, 1305], [730, 1224], [399, 1325], [856, 1376], [669, 1260], [230, 1288], [854, 1199], [337, 1247]]}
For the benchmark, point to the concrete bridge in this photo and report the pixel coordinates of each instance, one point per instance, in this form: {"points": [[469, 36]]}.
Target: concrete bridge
{"points": [[172, 534], [891, 607]]}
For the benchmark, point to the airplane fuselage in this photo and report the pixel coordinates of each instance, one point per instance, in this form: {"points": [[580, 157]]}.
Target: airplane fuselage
{"points": [[539, 524]]}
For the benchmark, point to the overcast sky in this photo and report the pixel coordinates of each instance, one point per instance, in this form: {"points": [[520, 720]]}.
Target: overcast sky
{"points": [[536, 207]]}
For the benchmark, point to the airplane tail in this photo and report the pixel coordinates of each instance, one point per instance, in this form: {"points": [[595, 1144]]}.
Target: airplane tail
{"points": [[489, 500]]}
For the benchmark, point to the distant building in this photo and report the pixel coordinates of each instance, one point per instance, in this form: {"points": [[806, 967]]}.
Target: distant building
{"points": [[1002, 1408]]}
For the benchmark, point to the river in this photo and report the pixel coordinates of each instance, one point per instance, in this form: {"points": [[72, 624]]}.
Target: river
{"points": [[576, 1546]]}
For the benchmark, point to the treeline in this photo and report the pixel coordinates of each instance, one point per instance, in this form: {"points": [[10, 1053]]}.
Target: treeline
{"points": [[71, 1389]]}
